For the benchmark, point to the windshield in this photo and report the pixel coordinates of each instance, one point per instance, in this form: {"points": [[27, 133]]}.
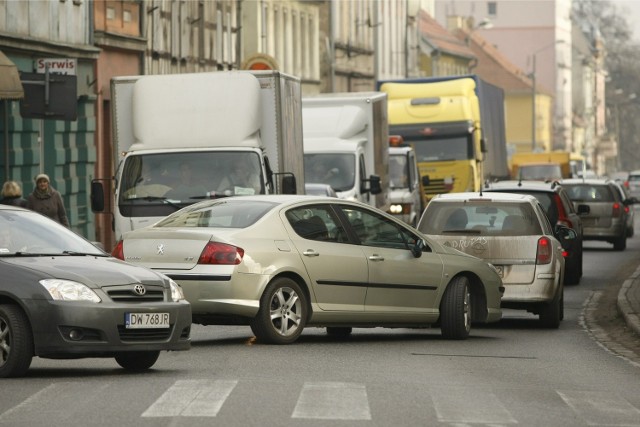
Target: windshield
{"points": [[336, 169], [226, 213], [29, 233], [398, 171], [440, 150], [187, 177]]}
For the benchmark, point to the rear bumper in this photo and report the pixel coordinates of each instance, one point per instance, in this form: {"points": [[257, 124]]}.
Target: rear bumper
{"points": [[543, 289]]}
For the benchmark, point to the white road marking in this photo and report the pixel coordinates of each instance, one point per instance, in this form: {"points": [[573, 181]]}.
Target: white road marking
{"points": [[333, 401], [601, 408], [56, 401], [463, 405], [192, 398]]}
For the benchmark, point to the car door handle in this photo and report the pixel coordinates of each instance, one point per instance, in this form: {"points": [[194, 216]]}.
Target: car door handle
{"points": [[310, 252], [376, 257]]}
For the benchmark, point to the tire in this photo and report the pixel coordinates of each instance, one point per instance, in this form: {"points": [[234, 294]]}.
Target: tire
{"points": [[455, 310], [620, 243], [16, 342], [282, 314], [552, 313], [340, 332], [572, 275], [137, 360]]}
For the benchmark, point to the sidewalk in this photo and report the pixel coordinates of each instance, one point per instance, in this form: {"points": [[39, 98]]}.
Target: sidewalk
{"points": [[629, 301]]}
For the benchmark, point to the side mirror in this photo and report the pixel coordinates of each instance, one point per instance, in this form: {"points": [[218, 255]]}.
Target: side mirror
{"points": [[565, 233], [583, 209], [97, 196], [630, 201], [374, 184], [425, 180], [418, 248], [289, 184]]}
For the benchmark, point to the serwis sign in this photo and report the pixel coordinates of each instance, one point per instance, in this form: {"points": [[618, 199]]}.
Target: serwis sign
{"points": [[66, 66]]}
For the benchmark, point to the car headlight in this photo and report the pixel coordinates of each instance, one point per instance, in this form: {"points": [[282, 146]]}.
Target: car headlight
{"points": [[67, 290], [176, 291]]}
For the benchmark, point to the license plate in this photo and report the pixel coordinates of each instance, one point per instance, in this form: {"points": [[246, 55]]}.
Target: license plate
{"points": [[146, 320], [500, 270]]}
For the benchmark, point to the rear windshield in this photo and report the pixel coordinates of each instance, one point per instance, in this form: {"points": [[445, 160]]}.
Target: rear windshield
{"points": [[589, 193], [634, 178], [546, 200], [224, 213], [482, 218]]}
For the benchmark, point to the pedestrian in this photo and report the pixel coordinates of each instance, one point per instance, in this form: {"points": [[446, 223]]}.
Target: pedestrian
{"points": [[47, 201], [12, 195]]}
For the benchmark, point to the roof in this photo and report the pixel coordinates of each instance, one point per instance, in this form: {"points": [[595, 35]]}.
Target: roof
{"points": [[440, 39], [521, 185], [591, 181], [495, 68], [498, 197]]}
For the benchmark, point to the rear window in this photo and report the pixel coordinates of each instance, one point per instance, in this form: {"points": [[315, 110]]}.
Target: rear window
{"points": [[634, 178], [589, 193], [546, 199], [498, 219], [221, 214]]}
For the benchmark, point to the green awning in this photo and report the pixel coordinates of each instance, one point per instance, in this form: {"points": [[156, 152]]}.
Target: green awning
{"points": [[10, 84]]}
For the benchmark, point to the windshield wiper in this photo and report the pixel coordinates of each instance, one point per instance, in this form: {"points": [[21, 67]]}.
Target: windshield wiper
{"points": [[74, 253]]}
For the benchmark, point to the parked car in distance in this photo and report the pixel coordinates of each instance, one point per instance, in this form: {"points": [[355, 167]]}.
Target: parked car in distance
{"points": [[560, 210], [512, 232], [315, 189], [634, 183], [628, 203], [63, 298], [601, 208], [282, 263]]}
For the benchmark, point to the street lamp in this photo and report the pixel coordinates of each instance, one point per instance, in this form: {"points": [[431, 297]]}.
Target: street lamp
{"points": [[533, 91]]}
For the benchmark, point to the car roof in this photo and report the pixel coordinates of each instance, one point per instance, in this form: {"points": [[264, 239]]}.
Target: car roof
{"points": [[523, 185], [591, 181], [494, 196], [12, 208]]}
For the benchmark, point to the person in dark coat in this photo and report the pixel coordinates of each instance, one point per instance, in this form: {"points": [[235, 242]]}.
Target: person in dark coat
{"points": [[47, 201], [12, 195]]}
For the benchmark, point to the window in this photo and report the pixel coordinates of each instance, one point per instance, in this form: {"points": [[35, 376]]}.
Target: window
{"points": [[111, 13], [492, 8], [317, 222], [375, 230]]}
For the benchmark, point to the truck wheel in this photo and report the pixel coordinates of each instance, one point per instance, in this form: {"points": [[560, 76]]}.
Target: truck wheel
{"points": [[16, 341], [137, 360], [282, 314], [455, 310]]}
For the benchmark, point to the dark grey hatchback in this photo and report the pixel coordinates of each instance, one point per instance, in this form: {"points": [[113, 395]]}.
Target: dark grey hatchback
{"points": [[63, 298]]}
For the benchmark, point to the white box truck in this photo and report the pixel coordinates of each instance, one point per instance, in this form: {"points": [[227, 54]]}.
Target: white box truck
{"points": [[405, 197], [183, 138], [346, 145]]}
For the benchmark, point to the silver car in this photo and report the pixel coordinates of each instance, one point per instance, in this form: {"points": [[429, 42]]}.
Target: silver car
{"points": [[634, 183], [281, 263], [512, 232]]}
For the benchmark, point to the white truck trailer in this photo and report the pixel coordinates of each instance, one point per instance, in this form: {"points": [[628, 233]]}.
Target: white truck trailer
{"points": [[405, 198], [179, 137], [346, 145]]}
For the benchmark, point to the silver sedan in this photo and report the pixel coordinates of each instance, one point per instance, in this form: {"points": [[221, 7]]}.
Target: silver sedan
{"points": [[280, 263]]}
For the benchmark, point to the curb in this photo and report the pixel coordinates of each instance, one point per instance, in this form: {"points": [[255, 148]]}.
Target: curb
{"points": [[631, 317]]}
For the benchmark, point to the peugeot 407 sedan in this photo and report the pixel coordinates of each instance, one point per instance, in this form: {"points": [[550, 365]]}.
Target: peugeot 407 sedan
{"points": [[282, 263], [512, 232], [63, 298]]}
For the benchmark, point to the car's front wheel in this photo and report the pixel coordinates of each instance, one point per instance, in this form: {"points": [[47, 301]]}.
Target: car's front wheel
{"points": [[137, 360], [455, 310], [16, 341], [282, 314]]}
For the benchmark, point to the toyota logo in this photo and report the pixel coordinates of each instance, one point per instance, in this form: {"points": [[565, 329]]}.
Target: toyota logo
{"points": [[161, 249], [139, 290]]}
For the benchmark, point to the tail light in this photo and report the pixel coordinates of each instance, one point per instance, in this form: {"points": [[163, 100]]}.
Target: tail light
{"points": [[543, 256], [626, 209], [626, 184], [616, 210], [118, 251], [221, 254], [565, 254], [563, 219]]}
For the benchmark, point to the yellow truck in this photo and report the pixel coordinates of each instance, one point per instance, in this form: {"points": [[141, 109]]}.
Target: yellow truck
{"points": [[545, 166], [456, 127]]}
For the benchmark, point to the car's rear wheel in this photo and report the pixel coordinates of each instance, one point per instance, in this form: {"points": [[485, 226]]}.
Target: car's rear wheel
{"points": [[552, 313], [282, 314], [455, 310], [572, 274], [137, 360], [620, 243], [339, 331], [16, 341]]}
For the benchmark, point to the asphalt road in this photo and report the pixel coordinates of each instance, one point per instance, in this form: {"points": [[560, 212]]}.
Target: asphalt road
{"points": [[585, 373]]}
